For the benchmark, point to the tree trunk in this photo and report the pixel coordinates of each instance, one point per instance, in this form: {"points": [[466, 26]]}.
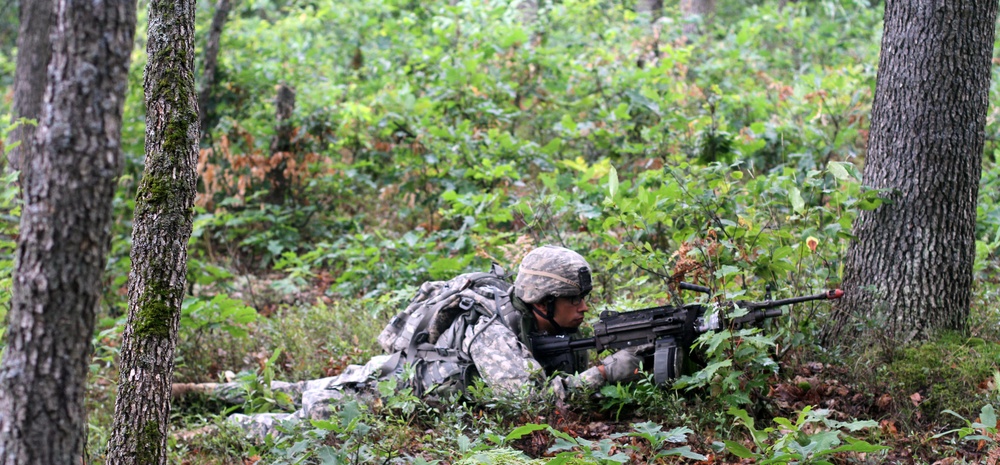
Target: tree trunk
{"points": [[281, 145], [697, 15], [651, 8], [529, 11], [910, 269], [162, 226], [69, 184], [222, 8], [650, 11], [35, 49]]}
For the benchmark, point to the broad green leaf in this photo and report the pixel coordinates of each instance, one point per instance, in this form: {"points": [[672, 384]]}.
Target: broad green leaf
{"points": [[612, 182], [838, 170], [683, 451], [739, 450], [795, 197], [987, 417], [568, 123], [523, 430]]}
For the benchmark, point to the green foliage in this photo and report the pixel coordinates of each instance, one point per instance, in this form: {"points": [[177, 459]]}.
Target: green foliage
{"points": [[432, 138], [498, 456], [813, 438], [579, 450], [10, 223], [658, 439], [738, 365], [220, 312], [257, 393], [349, 428], [985, 429], [10, 213]]}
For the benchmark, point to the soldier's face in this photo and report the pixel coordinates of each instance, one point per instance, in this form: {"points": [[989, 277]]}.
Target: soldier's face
{"points": [[570, 311]]}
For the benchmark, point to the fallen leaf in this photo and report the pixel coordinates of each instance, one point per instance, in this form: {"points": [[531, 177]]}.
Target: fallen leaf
{"points": [[916, 398], [889, 426], [946, 461]]}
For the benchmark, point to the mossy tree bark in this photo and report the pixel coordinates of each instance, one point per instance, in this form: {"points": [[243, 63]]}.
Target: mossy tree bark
{"points": [[68, 187], [36, 18], [910, 269], [161, 229]]}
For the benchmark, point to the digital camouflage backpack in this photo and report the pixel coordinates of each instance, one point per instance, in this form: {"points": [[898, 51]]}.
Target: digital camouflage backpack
{"points": [[413, 335]]}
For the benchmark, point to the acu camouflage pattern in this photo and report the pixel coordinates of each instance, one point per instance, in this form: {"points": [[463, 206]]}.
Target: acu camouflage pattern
{"points": [[559, 261], [315, 398], [483, 339], [438, 303]]}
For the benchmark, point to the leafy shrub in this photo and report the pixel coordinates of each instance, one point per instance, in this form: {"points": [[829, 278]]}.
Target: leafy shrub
{"points": [[812, 439]]}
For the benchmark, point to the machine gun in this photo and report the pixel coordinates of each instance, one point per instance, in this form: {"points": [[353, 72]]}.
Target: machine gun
{"points": [[671, 329]]}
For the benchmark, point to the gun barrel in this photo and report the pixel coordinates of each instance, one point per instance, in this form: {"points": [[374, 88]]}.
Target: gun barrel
{"points": [[828, 295], [695, 287]]}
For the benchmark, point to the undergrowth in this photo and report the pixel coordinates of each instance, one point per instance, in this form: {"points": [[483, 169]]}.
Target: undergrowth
{"points": [[435, 138]]}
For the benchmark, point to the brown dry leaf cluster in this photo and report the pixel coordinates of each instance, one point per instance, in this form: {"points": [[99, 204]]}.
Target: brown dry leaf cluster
{"points": [[689, 268], [234, 174]]}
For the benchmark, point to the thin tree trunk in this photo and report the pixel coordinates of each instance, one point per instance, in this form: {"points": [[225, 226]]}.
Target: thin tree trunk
{"points": [[281, 145], [697, 14], [69, 185], [35, 49], [910, 269], [222, 8], [162, 227], [651, 8], [529, 11]]}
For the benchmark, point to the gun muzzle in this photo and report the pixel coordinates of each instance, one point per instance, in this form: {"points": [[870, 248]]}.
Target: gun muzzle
{"points": [[834, 294]]}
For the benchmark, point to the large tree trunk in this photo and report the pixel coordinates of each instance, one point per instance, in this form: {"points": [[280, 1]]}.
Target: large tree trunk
{"points": [[69, 184], [162, 226], [36, 18], [222, 8], [910, 269]]}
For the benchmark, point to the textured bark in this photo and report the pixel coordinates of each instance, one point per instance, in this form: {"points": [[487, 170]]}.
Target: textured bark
{"points": [[281, 145], [162, 227], [697, 14], [69, 184], [36, 18], [912, 262], [222, 8]]}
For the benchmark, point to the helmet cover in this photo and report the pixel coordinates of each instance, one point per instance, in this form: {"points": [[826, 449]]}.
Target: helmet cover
{"points": [[552, 271]]}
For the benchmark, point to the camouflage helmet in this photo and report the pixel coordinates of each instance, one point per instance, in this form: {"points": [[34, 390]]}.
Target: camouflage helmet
{"points": [[551, 271]]}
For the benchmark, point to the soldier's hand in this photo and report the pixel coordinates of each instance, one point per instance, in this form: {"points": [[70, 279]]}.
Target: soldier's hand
{"points": [[644, 349], [621, 366]]}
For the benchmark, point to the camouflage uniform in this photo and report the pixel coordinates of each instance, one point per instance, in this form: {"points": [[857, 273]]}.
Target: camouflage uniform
{"points": [[498, 348]]}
